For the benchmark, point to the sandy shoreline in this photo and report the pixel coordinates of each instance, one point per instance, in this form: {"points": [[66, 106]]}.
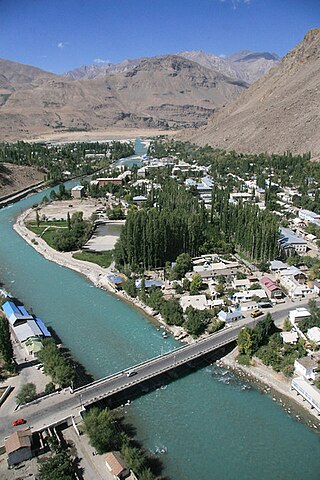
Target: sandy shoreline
{"points": [[264, 376], [275, 384], [92, 271]]}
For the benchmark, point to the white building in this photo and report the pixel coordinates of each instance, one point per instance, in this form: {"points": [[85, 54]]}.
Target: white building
{"points": [[298, 314], [306, 367], [198, 302], [314, 335], [309, 216], [248, 295]]}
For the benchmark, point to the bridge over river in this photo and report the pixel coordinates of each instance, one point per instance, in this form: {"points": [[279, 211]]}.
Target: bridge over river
{"points": [[56, 408]]}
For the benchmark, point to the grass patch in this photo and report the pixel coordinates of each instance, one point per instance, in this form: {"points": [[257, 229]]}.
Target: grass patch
{"points": [[47, 235], [243, 359], [103, 259]]}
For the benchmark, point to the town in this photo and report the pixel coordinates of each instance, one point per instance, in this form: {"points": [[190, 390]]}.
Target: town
{"points": [[197, 239]]}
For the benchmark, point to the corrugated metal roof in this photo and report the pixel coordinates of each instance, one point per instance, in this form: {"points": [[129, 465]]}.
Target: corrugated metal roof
{"points": [[42, 327], [26, 330]]}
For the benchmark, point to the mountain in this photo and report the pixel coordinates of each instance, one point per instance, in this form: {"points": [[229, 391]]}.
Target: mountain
{"points": [[161, 92], [94, 71], [243, 65], [279, 112]]}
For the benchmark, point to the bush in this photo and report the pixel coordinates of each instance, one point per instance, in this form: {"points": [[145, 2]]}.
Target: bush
{"points": [[27, 393]]}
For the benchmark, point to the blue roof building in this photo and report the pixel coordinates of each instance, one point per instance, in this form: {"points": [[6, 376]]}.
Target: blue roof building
{"points": [[42, 327], [15, 314]]}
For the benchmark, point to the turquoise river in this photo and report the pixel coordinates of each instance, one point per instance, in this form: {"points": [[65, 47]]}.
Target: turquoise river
{"points": [[212, 425]]}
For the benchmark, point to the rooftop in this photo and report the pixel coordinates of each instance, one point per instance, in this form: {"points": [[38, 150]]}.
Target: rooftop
{"points": [[19, 439]]}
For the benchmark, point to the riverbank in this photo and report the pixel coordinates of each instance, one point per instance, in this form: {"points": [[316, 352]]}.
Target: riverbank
{"points": [[275, 384], [264, 376], [93, 272]]}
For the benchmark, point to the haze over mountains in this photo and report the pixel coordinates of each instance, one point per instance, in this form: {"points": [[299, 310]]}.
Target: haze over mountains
{"points": [[243, 65], [279, 112], [169, 91]]}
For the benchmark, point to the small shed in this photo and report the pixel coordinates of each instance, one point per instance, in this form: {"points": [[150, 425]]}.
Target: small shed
{"points": [[18, 446], [116, 465], [77, 191]]}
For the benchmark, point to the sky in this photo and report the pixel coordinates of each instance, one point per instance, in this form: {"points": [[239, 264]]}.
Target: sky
{"points": [[59, 35]]}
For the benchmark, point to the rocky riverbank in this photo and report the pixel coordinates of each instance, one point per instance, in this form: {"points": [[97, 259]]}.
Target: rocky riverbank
{"points": [[96, 274], [274, 384]]}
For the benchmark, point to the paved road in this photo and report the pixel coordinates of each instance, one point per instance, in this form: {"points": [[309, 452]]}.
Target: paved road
{"points": [[64, 404]]}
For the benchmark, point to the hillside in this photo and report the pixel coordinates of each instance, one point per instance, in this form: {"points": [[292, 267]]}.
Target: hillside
{"points": [[243, 65], [160, 92], [277, 113]]}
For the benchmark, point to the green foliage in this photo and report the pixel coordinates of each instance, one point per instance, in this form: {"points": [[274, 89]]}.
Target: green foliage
{"points": [[100, 427], [243, 359], [151, 237], [196, 321], [183, 265], [287, 326], [49, 388], [215, 325], [171, 311], [155, 299], [56, 364], [116, 213], [313, 320], [245, 341], [134, 458], [57, 467], [103, 259], [74, 238], [57, 159], [27, 393], [195, 284], [130, 287], [5, 341]]}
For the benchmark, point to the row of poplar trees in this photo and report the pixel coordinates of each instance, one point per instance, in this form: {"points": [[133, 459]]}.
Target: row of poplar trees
{"points": [[175, 224]]}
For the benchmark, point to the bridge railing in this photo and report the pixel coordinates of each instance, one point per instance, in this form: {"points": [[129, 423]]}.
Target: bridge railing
{"points": [[154, 360]]}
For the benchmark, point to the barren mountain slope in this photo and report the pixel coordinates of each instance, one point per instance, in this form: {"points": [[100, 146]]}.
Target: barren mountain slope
{"points": [[243, 65], [160, 92], [279, 112]]}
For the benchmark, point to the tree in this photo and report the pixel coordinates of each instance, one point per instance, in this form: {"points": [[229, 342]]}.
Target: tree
{"points": [[245, 341], [287, 325], [49, 388], [133, 457], [99, 425], [172, 312], [5, 341], [195, 284], [196, 321], [57, 467], [182, 266], [27, 393]]}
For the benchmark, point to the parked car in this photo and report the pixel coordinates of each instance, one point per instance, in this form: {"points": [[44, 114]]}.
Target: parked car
{"points": [[20, 421]]}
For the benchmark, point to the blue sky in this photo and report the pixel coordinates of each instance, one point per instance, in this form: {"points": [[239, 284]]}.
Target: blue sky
{"points": [[58, 35]]}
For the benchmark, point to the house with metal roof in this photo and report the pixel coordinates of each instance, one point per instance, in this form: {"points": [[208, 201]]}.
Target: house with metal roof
{"points": [[272, 288], [230, 316], [149, 283], [116, 465], [290, 241], [16, 315], [18, 446]]}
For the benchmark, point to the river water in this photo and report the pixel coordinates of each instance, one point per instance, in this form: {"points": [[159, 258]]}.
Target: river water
{"points": [[212, 425]]}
